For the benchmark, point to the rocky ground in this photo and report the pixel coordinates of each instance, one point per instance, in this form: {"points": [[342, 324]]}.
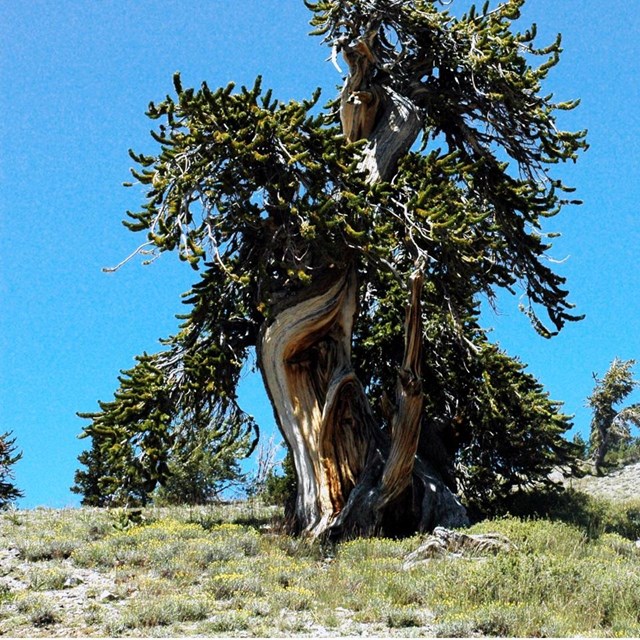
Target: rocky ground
{"points": [[82, 589], [620, 484], [56, 597]]}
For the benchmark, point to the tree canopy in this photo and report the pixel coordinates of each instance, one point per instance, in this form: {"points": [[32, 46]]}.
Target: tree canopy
{"points": [[334, 239]]}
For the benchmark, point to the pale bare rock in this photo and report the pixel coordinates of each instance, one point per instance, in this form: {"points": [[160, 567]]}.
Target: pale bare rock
{"points": [[454, 544], [619, 484]]}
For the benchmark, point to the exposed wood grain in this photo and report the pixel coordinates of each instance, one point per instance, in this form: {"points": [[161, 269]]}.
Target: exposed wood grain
{"points": [[407, 418], [305, 359], [354, 476]]}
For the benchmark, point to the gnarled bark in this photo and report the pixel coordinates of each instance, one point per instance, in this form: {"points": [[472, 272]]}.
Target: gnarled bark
{"points": [[305, 359], [355, 477], [405, 425]]}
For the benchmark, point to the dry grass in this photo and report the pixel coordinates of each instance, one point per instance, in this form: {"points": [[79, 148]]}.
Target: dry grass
{"points": [[229, 572]]}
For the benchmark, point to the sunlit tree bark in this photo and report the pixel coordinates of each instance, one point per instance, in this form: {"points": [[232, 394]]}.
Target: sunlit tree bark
{"points": [[349, 249]]}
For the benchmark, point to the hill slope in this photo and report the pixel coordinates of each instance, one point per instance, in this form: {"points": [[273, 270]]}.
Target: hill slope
{"points": [[228, 571], [620, 484]]}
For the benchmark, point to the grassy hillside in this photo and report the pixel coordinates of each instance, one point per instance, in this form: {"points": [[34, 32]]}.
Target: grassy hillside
{"points": [[229, 571]]}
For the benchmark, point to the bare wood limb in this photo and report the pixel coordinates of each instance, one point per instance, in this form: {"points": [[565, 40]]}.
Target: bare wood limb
{"points": [[140, 250], [389, 120], [407, 418], [397, 128], [305, 358]]}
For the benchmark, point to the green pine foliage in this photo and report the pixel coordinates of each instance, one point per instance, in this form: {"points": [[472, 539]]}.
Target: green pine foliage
{"points": [[94, 482], [265, 199], [491, 428], [8, 458], [511, 433], [486, 192], [148, 436], [202, 466], [280, 485]]}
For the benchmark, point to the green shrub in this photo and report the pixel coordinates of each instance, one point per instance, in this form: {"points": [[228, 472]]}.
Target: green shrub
{"points": [[45, 548], [295, 598], [228, 621], [280, 488], [224, 586], [48, 578], [403, 617], [41, 611], [594, 516], [5, 593], [111, 552], [164, 611], [626, 452]]}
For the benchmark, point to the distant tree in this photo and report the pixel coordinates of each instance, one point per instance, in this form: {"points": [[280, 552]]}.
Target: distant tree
{"points": [[610, 424], [193, 453], [349, 248], [280, 486], [8, 457], [91, 482], [265, 465], [582, 446], [272, 481]]}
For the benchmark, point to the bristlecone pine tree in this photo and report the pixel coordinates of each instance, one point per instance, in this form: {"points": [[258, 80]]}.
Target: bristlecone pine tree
{"points": [[610, 425], [349, 247]]}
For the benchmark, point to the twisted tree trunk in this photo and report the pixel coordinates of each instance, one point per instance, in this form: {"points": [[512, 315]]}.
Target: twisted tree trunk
{"points": [[354, 476]]}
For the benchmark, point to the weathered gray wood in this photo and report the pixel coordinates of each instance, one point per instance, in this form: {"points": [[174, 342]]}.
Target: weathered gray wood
{"points": [[444, 543], [399, 124], [354, 477], [407, 417]]}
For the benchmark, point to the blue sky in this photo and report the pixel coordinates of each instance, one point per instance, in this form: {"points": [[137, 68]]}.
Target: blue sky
{"points": [[76, 78]]}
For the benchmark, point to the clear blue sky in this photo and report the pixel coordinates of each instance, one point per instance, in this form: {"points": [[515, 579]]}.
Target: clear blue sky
{"points": [[76, 78]]}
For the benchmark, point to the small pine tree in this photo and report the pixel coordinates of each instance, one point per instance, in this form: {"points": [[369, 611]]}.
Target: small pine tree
{"points": [[610, 426], [107, 481], [87, 481], [8, 457], [102, 483], [280, 488], [198, 472], [143, 448], [582, 445]]}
